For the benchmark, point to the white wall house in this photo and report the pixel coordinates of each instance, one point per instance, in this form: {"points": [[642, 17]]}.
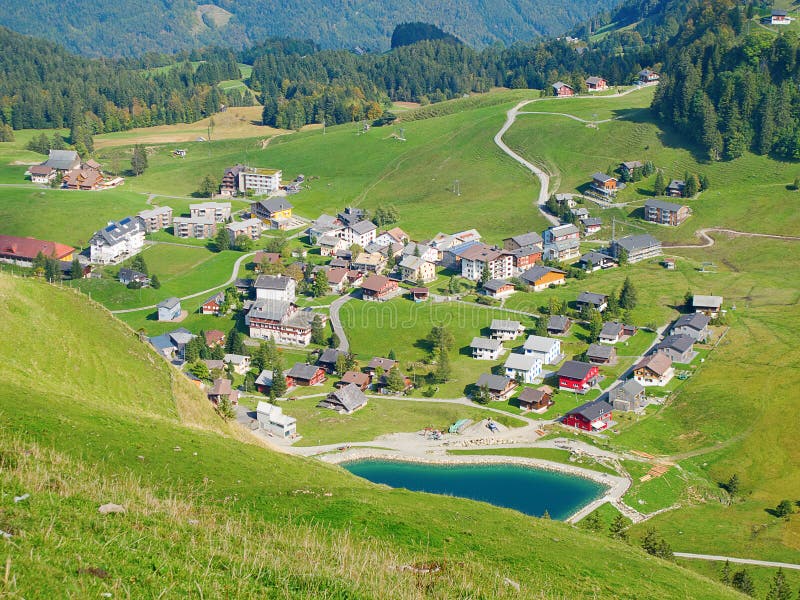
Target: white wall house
{"points": [[219, 211], [523, 367], [271, 419], [117, 242], [261, 181], [546, 349], [275, 287], [361, 233]]}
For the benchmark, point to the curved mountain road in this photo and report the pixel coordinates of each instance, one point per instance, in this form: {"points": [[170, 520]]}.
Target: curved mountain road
{"points": [[708, 241], [738, 561], [336, 322]]}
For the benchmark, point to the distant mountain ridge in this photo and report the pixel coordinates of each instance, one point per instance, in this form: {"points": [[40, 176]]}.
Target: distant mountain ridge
{"points": [[133, 27]]}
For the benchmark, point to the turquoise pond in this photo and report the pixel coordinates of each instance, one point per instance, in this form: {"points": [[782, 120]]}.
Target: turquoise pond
{"points": [[530, 491]]}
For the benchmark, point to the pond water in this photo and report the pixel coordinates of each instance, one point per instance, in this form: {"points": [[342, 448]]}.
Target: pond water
{"points": [[528, 490]]}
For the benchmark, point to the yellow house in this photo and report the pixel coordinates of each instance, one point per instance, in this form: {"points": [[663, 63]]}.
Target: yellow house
{"points": [[276, 212]]}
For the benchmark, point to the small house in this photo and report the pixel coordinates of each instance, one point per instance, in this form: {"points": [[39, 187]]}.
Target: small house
{"points": [[562, 90], [497, 288], [599, 302], [603, 184], [264, 382], [577, 376], [680, 348], [524, 368], [214, 337], [708, 305], [127, 276], [611, 332], [223, 388], [779, 17], [558, 324], [305, 375], [378, 362], [327, 360], [648, 76], [596, 84], [271, 419], [413, 268], [275, 287], [676, 188], [213, 306], [362, 380], [345, 400], [628, 168], [596, 261], [628, 396], [541, 277], [239, 362], [654, 370], [591, 225], [546, 349], [694, 325], [485, 348], [378, 288], [500, 387], [592, 416], [524, 240], [536, 400], [601, 354], [169, 309], [419, 294], [42, 174], [502, 329]]}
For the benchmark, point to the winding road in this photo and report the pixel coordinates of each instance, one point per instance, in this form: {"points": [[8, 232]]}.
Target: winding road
{"points": [[336, 322], [708, 241], [738, 561]]}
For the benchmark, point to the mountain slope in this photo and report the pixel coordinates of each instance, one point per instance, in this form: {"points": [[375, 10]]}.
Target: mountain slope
{"points": [[105, 27], [93, 418]]}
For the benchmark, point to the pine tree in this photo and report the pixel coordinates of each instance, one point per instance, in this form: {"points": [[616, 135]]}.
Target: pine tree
{"points": [[741, 581], [225, 408], [76, 270], [341, 364], [208, 186], [618, 528], [725, 574], [317, 330], [442, 372], [692, 186], [595, 325], [222, 241], [592, 522], [732, 486], [541, 327], [155, 283], [627, 295], [654, 544], [779, 588], [320, 286], [278, 380], [395, 381], [659, 186], [139, 159], [391, 355]]}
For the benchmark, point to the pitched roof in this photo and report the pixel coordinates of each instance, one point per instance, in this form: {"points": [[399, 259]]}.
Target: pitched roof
{"points": [[396, 234], [356, 377], [481, 252], [558, 322], [633, 164], [591, 221], [593, 80], [559, 84], [659, 363], [28, 247], [679, 343], [533, 396], [566, 229], [485, 344], [270, 310], [349, 397], [505, 325], [329, 356], [222, 387], [521, 362], [412, 262], [611, 329], [375, 283], [602, 351], [534, 274], [595, 258], [631, 243], [303, 371], [40, 170], [383, 363], [264, 378], [526, 239], [276, 204], [362, 227], [592, 410], [677, 184], [114, 233], [495, 383], [602, 177], [214, 336], [592, 298], [235, 359], [217, 298], [696, 321], [575, 369], [663, 205], [413, 248], [62, 159], [273, 282], [539, 343], [170, 303], [628, 390], [494, 285], [706, 301]]}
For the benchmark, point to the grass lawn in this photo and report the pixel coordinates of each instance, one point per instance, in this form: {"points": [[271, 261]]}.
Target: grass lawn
{"points": [[551, 454]]}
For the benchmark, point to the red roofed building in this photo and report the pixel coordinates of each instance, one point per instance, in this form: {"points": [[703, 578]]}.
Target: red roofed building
{"points": [[378, 288], [23, 250]]}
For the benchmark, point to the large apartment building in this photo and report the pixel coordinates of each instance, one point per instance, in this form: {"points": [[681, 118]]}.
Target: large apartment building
{"points": [[157, 218], [117, 241], [475, 259], [665, 213], [219, 211], [260, 181], [201, 228]]}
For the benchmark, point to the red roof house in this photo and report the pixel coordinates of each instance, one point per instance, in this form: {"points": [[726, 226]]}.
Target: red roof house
{"points": [[22, 250]]}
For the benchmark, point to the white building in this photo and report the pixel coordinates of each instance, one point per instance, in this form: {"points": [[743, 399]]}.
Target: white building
{"points": [[480, 256], [486, 349], [261, 181], [271, 419], [546, 349], [361, 233], [219, 211], [117, 242], [523, 367], [275, 287], [156, 218]]}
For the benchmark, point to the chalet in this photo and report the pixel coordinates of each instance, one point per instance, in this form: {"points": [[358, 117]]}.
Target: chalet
{"points": [[497, 288], [479, 258], [240, 362], [591, 225], [271, 419], [214, 365], [628, 168], [213, 306], [275, 212], [327, 360], [220, 212], [523, 240], [127, 276], [117, 242], [42, 174], [199, 228], [338, 279], [230, 181], [223, 388], [378, 288], [562, 90], [779, 17], [214, 337], [62, 160], [676, 188], [636, 247], [155, 219], [330, 244], [601, 354], [628, 396], [392, 236], [611, 332], [24, 250], [562, 243], [275, 287], [648, 76], [346, 400], [414, 268], [281, 321], [708, 305], [169, 309], [357, 378], [83, 178], [249, 228], [694, 325], [654, 370], [546, 349], [424, 251], [305, 375], [599, 302], [540, 277], [360, 232], [558, 324], [605, 185], [665, 213], [538, 400], [370, 262], [264, 382], [485, 348], [524, 258], [596, 261], [243, 285], [680, 348], [260, 181], [580, 213], [592, 416], [596, 84], [419, 294], [500, 387], [560, 233], [577, 376], [502, 329], [524, 368], [378, 362]]}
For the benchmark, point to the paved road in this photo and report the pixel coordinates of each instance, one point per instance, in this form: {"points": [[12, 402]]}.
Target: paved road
{"points": [[738, 561], [234, 274], [336, 322]]}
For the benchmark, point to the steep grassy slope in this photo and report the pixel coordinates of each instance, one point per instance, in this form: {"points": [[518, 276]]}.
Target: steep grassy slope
{"points": [[90, 415]]}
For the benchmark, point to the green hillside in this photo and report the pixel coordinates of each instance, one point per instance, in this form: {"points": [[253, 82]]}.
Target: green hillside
{"points": [[100, 418]]}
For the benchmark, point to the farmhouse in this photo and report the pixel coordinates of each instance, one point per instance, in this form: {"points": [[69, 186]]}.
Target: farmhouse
{"points": [[41, 174], [523, 368], [502, 329], [561, 89], [305, 375], [327, 360], [83, 178], [362, 380], [676, 188], [599, 302], [648, 76], [260, 181], [779, 17], [680, 348], [330, 244], [271, 419], [546, 349], [540, 277], [223, 389], [605, 185], [665, 213], [378, 288], [480, 257], [240, 362], [628, 168], [628, 396], [200, 228], [169, 309], [596, 84], [155, 219], [497, 288], [338, 279], [275, 287], [213, 306], [524, 240], [538, 400], [637, 247], [601, 354], [694, 326], [250, 228], [345, 400], [485, 348], [592, 416], [500, 387], [282, 321], [220, 212], [558, 325], [117, 242], [561, 233], [708, 305], [264, 382], [596, 261], [591, 225], [24, 250], [414, 268], [654, 370], [62, 160], [577, 376], [275, 212]]}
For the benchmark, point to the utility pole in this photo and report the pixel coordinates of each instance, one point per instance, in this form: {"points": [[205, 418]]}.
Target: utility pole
{"points": [[457, 187]]}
